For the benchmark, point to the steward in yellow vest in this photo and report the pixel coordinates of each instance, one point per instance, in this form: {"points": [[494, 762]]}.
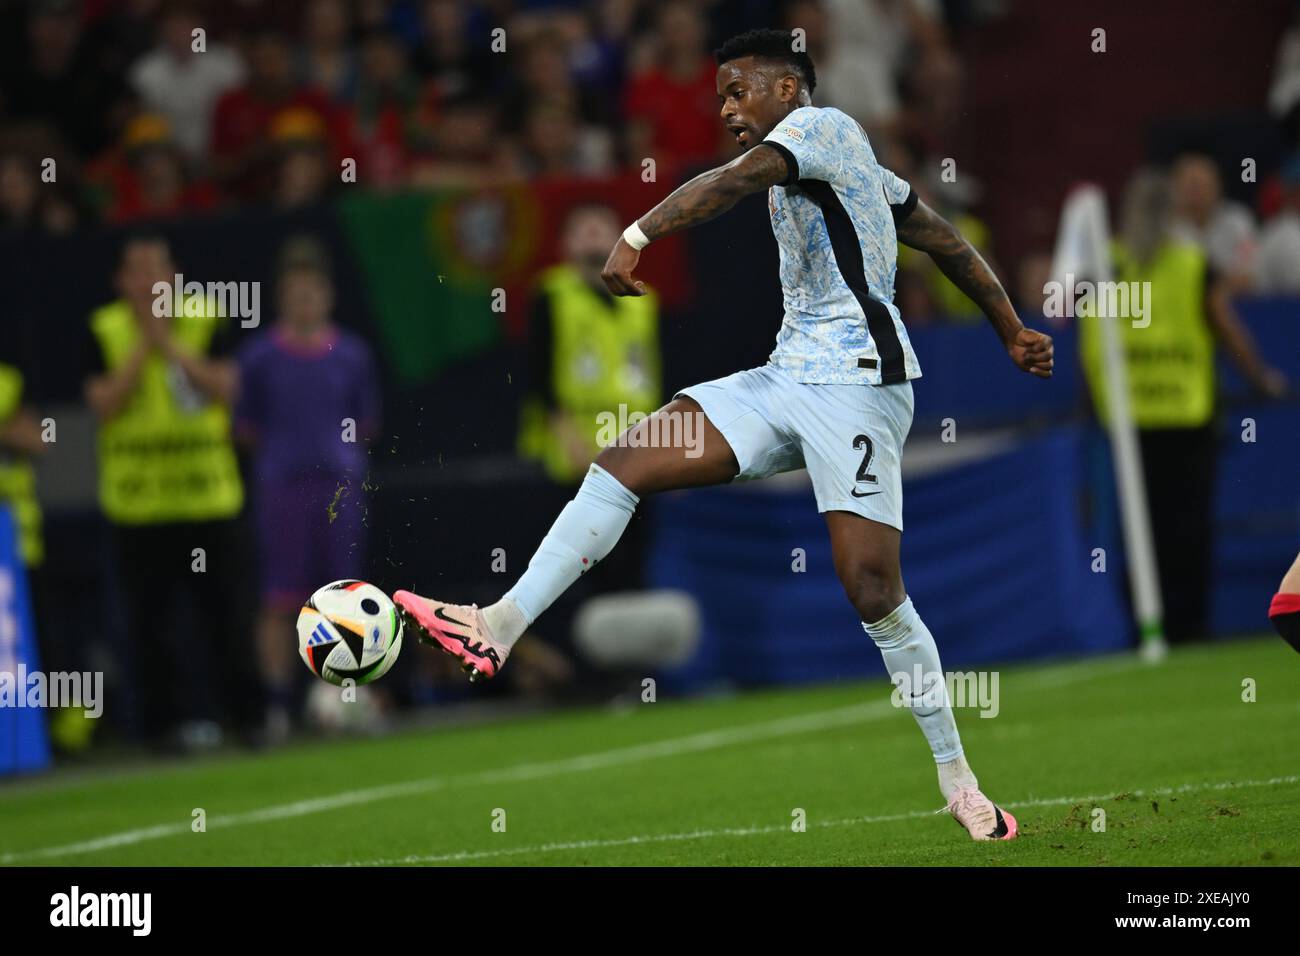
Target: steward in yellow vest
{"points": [[1170, 352], [170, 487], [167, 455], [165, 447], [1182, 314], [595, 362], [20, 439]]}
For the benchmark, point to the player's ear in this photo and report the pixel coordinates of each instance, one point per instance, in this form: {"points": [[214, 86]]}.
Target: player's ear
{"points": [[787, 87]]}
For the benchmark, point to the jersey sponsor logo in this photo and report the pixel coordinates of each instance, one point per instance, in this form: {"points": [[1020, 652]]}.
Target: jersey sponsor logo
{"points": [[793, 132]]}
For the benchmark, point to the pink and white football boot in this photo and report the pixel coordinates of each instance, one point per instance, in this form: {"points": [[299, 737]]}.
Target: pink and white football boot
{"points": [[458, 629], [982, 819]]}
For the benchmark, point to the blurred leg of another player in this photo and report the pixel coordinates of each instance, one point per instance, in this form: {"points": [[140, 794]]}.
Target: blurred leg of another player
{"points": [[1285, 609]]}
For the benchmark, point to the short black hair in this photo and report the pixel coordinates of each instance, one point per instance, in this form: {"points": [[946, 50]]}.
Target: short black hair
{"points": [[771, 45], [142, 236], [303, 254]]}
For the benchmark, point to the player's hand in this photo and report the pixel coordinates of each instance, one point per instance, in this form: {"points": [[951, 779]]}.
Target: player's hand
{"points": [[1032, 352], [618, 270]]}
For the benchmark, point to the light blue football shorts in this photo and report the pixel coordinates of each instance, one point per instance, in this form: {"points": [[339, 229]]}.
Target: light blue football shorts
{"points": [[849, 437]]}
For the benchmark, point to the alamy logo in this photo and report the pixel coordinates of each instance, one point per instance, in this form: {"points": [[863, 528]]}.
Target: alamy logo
{"points": [[236, 300], [930, 690], [674, 429], [23, 688], [1106, 300], [134, 910]]}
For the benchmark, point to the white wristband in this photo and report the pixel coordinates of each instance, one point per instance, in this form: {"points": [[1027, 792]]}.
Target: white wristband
{"points": [[634, 237]]}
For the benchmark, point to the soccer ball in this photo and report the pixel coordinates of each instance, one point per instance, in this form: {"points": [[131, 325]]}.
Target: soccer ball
{"points": [[349, 630]]}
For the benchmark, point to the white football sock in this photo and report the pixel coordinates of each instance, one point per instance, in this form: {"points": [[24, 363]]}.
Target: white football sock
{"points": [[955, 774], [911, 654], [506, 622], [586, 530]]}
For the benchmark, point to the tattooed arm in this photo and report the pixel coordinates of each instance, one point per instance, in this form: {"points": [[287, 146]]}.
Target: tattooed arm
{"points": [[705, 197], [957, 259]]}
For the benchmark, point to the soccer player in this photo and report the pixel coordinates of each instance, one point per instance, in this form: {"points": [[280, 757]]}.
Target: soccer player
{"points": [[835, 396]]}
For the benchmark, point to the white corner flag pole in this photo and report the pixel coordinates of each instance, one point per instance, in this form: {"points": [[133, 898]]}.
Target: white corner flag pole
{"points": [[1083, 251]]}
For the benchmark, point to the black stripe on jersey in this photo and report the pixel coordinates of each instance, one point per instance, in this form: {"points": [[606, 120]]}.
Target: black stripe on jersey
{"points": [[848, 256], [905, 208], [791, 164]]}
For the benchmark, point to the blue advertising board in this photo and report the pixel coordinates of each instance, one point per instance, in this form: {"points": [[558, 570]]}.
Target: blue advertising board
{"points": [[24, 741]]}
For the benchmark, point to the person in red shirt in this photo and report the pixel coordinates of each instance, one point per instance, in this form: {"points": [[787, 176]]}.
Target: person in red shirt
{"points": [[243, 154], [672, 107], [148, 175], [387, 98]]}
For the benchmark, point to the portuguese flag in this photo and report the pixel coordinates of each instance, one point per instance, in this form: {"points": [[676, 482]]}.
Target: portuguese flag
{"points": [[449, 272]]}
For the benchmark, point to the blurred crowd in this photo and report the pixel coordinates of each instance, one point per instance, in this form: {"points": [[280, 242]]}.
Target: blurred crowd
{"points": [[122, 110], [155, 109]]}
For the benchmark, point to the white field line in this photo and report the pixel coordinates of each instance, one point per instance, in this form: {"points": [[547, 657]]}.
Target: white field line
{"points": [[543, 848], [637, 753]]}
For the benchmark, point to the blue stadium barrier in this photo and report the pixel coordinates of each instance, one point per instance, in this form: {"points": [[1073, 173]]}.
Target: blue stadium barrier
{"points": [[24, 744], [996, 557], [964, 371]]}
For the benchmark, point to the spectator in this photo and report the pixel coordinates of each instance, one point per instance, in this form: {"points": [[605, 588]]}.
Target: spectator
{"points": [[183, 85], [309, 406], [864, 49], [149, 179], [328, 62], [386, 101], [304, 174], [453, 66], [28, 205], [467, 148], [242, 18], [243, 152], [1223, 229], [597, 44], [60, 82], [672, 105], [1172, 390], [853, 71], [1284, 88], [556, 144], [545, 76], [170, 488], [1277, 266]]}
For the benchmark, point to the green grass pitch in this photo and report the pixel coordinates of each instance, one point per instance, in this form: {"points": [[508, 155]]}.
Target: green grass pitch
{"points": [[1186, 771]]}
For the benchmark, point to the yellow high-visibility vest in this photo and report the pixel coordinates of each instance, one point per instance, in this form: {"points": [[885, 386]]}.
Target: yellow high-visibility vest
{"points": [[167, 456], [603, 355], [17, 478], [1170, 360]]}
